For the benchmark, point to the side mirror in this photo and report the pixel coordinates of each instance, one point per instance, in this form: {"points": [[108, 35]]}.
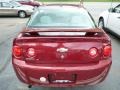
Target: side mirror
{"points": [[111, 9]]}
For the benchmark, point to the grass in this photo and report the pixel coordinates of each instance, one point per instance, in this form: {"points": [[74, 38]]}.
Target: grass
{"points": [[79, 0]]}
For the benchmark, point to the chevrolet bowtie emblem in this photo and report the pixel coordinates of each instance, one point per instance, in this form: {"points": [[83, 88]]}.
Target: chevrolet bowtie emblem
{"points": [[62, 50]]}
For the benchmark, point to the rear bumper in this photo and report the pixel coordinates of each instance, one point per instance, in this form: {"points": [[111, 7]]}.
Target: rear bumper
{"points": [[84, 75]]}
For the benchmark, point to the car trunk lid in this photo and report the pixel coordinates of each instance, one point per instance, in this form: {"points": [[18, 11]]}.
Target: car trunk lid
{"points": [[62, 46]]}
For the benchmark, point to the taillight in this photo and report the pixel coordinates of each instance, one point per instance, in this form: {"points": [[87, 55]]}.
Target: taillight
{"points": [[17, 51], [31, 52], [107, 51], [93, 52]]}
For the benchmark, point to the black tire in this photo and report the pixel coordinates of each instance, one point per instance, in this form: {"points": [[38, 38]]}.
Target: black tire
{"points": [[22, 14], [101, 23]]}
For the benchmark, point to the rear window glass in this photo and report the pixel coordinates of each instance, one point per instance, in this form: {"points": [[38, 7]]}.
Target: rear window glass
{"points": [[61, 17]]}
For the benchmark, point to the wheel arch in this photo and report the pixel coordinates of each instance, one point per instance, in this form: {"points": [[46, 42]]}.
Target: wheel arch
{"points": [[105, 20], [101, 18]]}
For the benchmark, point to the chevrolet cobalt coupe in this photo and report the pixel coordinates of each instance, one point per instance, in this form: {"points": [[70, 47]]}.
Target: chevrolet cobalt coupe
{"points": [[61, 47]]}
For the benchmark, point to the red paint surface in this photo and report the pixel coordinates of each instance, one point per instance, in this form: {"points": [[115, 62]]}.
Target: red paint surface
{"points": [[74, 64]]}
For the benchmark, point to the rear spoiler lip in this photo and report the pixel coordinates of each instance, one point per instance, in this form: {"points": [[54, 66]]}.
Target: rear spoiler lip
{"points": [[30, 30]]}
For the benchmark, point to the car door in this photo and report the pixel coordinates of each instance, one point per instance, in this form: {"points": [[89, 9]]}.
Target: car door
{"points": [[0, 8], [114, 20], [7, 9]]}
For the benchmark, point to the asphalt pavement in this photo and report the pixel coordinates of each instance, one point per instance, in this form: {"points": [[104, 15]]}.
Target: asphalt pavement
{"points": [[11, 26]]}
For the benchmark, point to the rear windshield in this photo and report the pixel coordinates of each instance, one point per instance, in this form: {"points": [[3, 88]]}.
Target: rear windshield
{"points": [[61, 17]]}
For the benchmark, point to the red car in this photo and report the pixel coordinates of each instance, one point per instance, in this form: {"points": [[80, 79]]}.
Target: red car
{"points": [[61, 47], [30, 2]]}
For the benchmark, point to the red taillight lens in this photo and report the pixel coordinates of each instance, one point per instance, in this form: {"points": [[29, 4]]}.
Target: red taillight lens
{"points": [[31, 52], [107, 51], [93, 52], [17, 51]]}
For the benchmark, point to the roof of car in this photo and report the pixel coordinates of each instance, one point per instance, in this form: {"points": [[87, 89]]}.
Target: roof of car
{"points": [[62, 6], [74, 5], [70, 5]]}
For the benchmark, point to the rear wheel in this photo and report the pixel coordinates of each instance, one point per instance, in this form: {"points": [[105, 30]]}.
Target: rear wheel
{"points": [[22, 14], [101, 23]]}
